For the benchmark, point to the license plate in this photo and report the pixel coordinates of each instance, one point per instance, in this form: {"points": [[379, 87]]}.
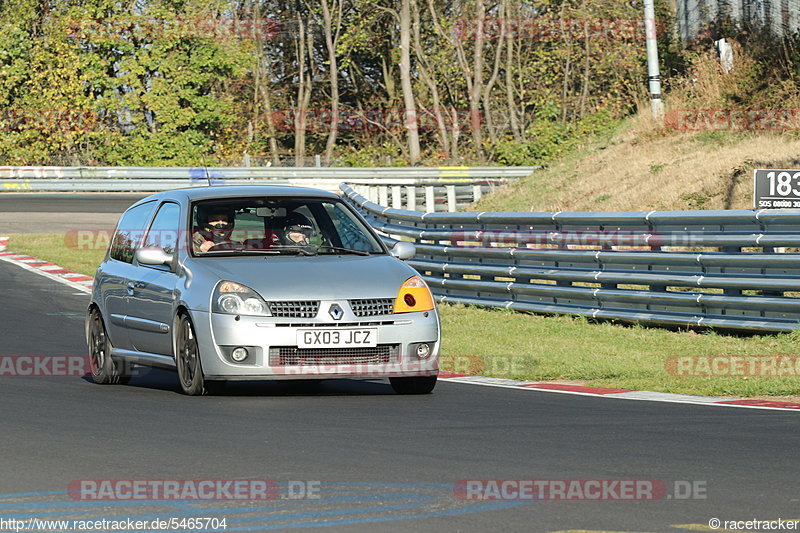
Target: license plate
{"points": [[337, 338]]}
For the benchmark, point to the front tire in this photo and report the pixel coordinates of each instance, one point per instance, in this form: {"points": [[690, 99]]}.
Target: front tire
{"points": [[187, 361], [413, 385], [105, 370]]}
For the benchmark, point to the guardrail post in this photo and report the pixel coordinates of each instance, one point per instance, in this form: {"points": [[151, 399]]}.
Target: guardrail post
{"points": [[373, 194], [738, 292], [383, 195], [477, 193], [451, 198], [397, 200], [411, 198], [430, 200], [764, 271]]}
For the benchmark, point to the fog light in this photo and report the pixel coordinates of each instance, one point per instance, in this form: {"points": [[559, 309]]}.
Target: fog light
{"points": [[423, 349], [239, 354]]}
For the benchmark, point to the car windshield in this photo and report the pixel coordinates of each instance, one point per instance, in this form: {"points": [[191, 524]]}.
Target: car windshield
{"points": [[279, 226]]}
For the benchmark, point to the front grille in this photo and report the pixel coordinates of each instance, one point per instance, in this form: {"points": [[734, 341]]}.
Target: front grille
{"points": [[333, 324], [372, 306], [294, 356], [294, 309]]}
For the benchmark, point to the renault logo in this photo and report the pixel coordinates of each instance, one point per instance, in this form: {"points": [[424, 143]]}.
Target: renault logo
{"points": [[336, 312]]}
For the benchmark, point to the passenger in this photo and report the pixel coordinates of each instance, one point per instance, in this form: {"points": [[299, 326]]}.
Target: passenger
{"points": [[298, 230]]}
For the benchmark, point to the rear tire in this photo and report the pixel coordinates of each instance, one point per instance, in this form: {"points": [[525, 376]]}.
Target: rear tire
{"points": [[105, 370], [413, 385], [187, 361]]}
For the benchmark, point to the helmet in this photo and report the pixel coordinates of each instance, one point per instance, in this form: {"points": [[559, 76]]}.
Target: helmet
{"points": [[298, 224], [218, 232]]}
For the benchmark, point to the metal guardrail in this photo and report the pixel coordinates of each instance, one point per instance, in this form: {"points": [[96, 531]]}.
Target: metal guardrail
{"points": [[671, 268], [140, 179], [433, 195]]}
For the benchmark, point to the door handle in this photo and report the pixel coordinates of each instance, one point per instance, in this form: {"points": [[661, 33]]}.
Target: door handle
{"points": [[131, 287]]}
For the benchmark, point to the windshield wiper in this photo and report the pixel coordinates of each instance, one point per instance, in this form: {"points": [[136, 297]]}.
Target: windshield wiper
{"points": [[341, 249], [300, 250], [237, 251]]}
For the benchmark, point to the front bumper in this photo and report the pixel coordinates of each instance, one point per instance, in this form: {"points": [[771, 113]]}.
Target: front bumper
{"points": [[273, 354]]}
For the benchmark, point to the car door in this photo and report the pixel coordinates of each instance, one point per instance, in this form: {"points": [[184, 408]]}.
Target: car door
{"points": [[116, 272], [151, 302]]}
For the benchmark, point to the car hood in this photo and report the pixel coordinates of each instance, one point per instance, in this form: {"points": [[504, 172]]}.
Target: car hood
{"points": [[322, 277]]}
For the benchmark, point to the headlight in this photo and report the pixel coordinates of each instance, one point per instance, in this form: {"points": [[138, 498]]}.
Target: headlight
{"points": [[236, 299], [413, 296]]}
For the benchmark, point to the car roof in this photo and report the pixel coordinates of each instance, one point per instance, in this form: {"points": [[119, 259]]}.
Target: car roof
{"points": [[236, 191]]}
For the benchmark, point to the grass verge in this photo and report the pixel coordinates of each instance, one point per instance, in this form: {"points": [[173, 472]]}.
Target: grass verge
{"points": [[56, 248], [501, 343]]}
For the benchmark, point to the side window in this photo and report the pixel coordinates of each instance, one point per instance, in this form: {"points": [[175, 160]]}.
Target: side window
{"points": [[165, 228], [129, 231], [349, 230]]}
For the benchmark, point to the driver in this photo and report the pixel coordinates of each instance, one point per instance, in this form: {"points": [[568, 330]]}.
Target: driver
{"points": [[298, 230], [215, 225]]}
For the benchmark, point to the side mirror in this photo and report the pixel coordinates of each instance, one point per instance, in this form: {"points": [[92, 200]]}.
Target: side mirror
{"points": [[403, 250], [153, 256]]}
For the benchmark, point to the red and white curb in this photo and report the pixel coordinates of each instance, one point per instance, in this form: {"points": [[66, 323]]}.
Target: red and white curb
{"points": [[62, 275], [624, 394]]}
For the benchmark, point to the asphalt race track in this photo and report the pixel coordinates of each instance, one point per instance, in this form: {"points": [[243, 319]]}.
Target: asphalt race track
{"points": [[375, 460], [61, 212]]}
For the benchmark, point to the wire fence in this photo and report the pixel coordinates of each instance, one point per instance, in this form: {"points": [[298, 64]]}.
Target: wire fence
{"points": [[695, 18]]}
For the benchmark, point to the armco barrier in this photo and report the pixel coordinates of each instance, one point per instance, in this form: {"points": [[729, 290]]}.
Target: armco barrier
{"points": [[680, 268], [146, 179], [434, 195]]}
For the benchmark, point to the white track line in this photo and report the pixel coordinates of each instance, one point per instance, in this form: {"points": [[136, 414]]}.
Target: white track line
{"points": [[55, 277]]}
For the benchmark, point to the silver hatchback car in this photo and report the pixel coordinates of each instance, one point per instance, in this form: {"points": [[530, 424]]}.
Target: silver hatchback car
{"points": [[259, 283]]}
